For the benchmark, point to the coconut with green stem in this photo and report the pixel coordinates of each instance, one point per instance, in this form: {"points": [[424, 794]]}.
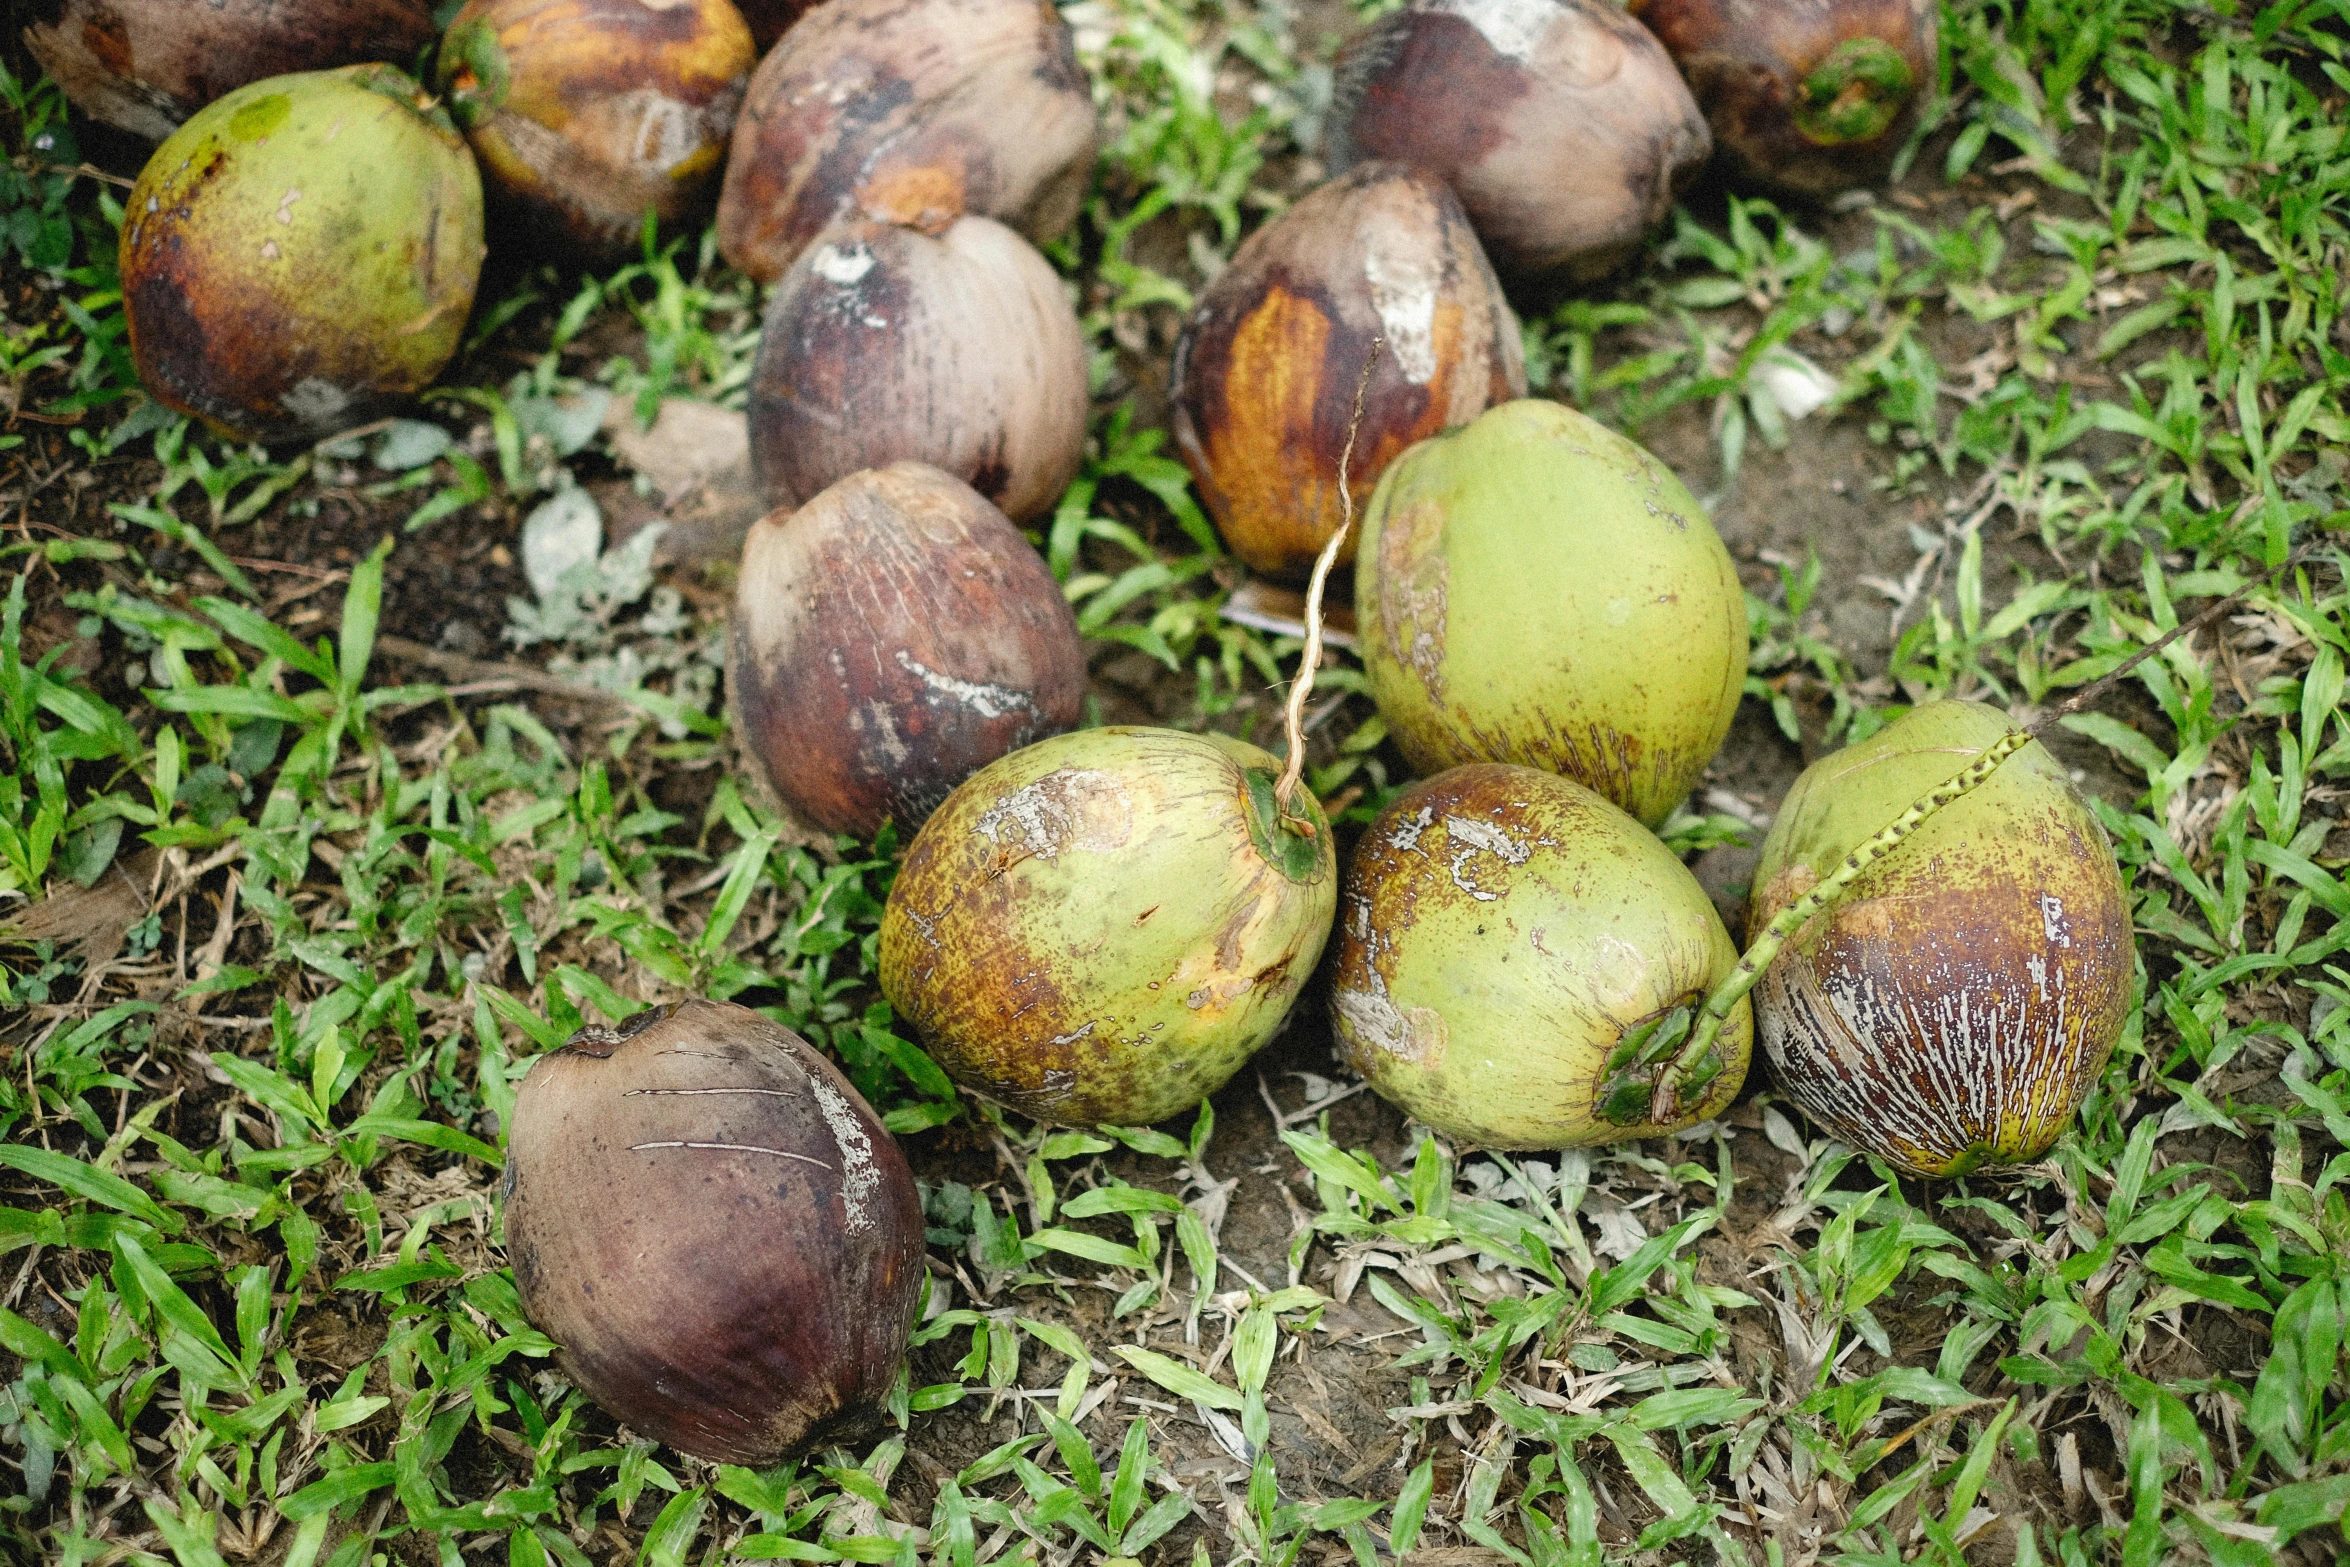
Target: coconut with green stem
{"points": [[1668, 1066], [1700, 1032]]}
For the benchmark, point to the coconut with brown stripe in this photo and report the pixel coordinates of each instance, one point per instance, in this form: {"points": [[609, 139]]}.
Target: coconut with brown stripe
{"points": [[1956, 1005]]}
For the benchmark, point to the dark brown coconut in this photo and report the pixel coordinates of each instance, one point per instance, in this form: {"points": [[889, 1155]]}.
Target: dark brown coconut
{"points": [[1561, 124], [885, 344], [892, 637], [146, 65], [588, 114], [716, 1230], [910, 110], [1810, 96], [1381, 260]]}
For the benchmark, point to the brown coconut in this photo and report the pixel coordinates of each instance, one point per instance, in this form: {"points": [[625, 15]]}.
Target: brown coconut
{"points": [[1561, 124], [589, 114], [146, 65], [892, 637], [1376, 270], [884, 343], [910, 110], [716, 1229]]}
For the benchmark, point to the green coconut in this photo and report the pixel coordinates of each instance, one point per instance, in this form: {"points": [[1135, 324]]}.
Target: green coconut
{"points": [[1517, 958], [1534, 588], [1961, 998], [1100, 929], [301, 256]]}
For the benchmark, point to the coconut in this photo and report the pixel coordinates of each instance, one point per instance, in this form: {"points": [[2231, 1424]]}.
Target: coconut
{"points": [[144, 66], [1961, 999], [892, 637], [1101, 928], [589, 114], [915, 111], [1561, 124], [1376, 270], [887, 343], [640, 1161], [1534, 588], [1808, 96], [1516, 958], [301, 256]]}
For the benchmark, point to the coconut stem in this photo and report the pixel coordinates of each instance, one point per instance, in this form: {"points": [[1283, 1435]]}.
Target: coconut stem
{"points": [[1664, 1095], [1294, 720]]}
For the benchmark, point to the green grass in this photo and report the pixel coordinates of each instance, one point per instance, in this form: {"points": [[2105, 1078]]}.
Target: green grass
{"points": [[253, 1309]]}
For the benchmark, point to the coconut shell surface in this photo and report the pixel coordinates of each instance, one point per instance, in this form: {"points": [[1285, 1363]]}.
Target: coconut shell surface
{"points": [[892, 637], [302, 255], [1100, 929], [144, 66], [1561, 124], [885, 344], [1534, 588], [1377, 269], [1809, 96], [1960, 1002], [911, 110], [1502, 933], [716, 1229], [587, 114]]}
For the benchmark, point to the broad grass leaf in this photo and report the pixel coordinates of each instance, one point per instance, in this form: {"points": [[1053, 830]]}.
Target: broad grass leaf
{"points": [[1180, 1379], [91, 1183]]}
